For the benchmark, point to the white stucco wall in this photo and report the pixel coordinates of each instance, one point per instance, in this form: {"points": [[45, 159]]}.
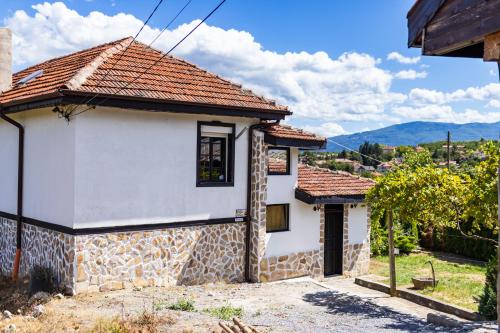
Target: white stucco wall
{"points": [[358, 224], [140, 167], [8, 167], [48, 167], [304, 222]]}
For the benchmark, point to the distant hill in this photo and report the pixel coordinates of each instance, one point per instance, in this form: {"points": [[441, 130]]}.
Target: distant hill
{"points": [[417, 132]]}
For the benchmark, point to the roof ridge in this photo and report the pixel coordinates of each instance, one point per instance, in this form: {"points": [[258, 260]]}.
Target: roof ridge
{"points": [[84, 73]]}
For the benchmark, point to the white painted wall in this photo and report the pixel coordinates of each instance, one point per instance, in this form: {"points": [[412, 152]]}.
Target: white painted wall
{"points": [[304, 222], [48, 169], [140, 167], [358, 224], [8, 167]]}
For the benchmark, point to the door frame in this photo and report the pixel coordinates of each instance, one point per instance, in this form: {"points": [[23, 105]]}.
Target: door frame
{"points": [[334, 208]]}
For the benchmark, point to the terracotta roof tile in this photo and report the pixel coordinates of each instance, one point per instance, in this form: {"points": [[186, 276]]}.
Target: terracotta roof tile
{"points": [[319, 182], [288, 132], [171, 79]]}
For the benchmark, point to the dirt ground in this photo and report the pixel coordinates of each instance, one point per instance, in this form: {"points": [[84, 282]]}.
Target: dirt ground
{"points": [[292, 306]]}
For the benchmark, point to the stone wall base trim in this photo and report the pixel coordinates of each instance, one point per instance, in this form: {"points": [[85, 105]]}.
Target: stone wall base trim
{"points": [[298, 264]]}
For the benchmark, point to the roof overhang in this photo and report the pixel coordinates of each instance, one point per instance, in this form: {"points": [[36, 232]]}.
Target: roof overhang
{"points": [[290, 142], [452, 28], [334, 199], [66, 97]]}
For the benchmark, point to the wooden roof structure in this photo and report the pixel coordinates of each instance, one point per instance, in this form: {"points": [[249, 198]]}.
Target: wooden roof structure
{"points": [[456, 28]]}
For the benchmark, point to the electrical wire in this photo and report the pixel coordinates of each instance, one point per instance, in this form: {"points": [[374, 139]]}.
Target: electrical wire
{"points": [[355, 151], [158, 60], [121, 55]]}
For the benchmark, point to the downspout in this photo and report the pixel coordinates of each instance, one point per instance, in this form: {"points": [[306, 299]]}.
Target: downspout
{"points": [[249, 194], [20, 172]]}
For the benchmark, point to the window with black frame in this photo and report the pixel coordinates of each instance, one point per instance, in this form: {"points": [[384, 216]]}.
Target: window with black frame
{"points": [[215, 154], [279, 161]]}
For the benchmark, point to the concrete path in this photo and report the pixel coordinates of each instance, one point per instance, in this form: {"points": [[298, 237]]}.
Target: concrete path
{"points": [[348, 287]]}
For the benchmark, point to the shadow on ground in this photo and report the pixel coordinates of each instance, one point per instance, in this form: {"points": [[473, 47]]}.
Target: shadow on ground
{"points": [[383, 318]]}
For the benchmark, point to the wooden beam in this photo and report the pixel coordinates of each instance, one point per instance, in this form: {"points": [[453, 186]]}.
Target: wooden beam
{"points": [[492, 47]]}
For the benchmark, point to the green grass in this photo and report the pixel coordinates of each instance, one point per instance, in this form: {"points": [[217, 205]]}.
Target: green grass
{"points": [[182, 305], [459, 282], [225, 312]]}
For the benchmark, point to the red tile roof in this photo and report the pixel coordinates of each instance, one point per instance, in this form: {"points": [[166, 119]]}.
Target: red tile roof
{"points": [[171, 79], [320, 182], [292, 134]]}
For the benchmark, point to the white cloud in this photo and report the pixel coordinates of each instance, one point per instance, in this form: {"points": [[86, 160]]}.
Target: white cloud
{"points": [[410, 75], [425, 96], [351, 87], [445, 113], [326, 129], [396, 56]]}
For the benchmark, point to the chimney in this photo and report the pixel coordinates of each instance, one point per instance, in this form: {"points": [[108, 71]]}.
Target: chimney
{"points": [[5, 59]]}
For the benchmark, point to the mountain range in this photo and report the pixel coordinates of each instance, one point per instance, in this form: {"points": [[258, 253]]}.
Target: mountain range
{"points": [[416, 132]]}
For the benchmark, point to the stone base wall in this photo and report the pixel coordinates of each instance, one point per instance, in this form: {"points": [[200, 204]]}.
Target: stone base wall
{"points": [[356, 257], [40, 246], [308, 263], [48, 248], [7, 245], [189, 255]]}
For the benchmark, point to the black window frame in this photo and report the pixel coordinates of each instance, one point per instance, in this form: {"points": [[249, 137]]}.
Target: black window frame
{"points": [[288, 159], [229, 158], [287, 218]]}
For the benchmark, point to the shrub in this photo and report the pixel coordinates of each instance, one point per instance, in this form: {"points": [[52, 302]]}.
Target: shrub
{"points": [[405, 244], [225, 312], [183, 305], [488, 298], [42, 279], [378, 242]]}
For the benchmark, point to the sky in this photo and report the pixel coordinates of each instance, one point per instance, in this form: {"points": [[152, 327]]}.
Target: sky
{"points": [[340, 66]]}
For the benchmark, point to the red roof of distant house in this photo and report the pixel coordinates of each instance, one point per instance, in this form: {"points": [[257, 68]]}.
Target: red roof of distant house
{"points": [[170, 80], [283, 135], [320, 183]]}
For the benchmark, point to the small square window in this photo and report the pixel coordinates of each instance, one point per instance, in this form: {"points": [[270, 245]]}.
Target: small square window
{"points": [[277, 218], [215, 165], [279, 161]]}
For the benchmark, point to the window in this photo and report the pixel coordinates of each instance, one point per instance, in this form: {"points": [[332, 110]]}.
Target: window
{"points": [[215, 161], [277, 218], [279, 161]]}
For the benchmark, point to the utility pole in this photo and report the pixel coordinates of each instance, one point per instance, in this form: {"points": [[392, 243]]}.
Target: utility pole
{"points": [[392, 258], [448, 146]]}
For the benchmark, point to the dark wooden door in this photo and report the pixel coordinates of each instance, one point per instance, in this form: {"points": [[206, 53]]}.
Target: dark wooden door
{"points": [[334, 230]]}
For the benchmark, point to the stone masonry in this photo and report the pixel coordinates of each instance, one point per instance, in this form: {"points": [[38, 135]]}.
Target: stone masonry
{"points": [[7, 245], [356, 257], [40, 246], [258, 204], [185, 255], [188, 255]]}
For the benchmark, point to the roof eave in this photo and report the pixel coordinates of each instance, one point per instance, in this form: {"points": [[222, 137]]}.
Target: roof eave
{"points": [[66, 97], [323, 200], [299, 143]]}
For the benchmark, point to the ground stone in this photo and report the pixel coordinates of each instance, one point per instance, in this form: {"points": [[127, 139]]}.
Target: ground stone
{"points": [[7, 314]]}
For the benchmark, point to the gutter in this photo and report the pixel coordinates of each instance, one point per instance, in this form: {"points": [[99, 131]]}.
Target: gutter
{"points": [[20, 178], [249, 194]]}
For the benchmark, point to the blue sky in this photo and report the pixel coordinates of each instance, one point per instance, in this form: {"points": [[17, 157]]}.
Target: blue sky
{"points": [[327, 60]]}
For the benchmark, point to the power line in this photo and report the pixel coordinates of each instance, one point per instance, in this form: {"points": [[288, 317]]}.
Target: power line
{"points": [[121, 54], [158, 60], [170, 23], [355, 151]]}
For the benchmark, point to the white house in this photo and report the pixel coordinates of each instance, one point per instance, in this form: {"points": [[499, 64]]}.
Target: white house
{"points": [[122, 166]]}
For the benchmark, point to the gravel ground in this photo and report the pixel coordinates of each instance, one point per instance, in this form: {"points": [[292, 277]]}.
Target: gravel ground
{"points": [[291, 306]]}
